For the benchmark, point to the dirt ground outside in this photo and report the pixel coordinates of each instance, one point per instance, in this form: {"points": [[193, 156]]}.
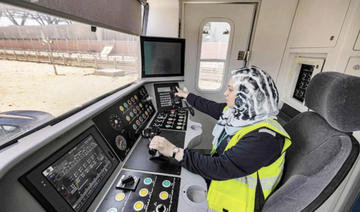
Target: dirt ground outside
{"points": [[34, 86]]}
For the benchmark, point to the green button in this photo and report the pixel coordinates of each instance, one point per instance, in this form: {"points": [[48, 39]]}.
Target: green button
{"points": [[147, 181], [112, 210], [166, 183]]}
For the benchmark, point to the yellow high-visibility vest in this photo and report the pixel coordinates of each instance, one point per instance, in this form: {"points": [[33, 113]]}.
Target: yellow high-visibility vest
{"points": [[238, 195]]}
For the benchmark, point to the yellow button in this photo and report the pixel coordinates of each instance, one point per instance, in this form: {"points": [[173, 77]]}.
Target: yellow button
{"points": [[119, 196], [122, 108], [128, 118], [163, 195], [178, 127], [143, 192], [138, 205]]}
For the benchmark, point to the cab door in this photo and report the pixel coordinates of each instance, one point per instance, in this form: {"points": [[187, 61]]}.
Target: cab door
{"points": [[217, 41]]}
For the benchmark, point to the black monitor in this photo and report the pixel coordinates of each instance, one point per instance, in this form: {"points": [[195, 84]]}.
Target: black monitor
{"points": [[162, 57]]}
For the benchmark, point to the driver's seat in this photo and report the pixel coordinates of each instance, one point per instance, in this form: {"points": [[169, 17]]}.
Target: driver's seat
{"points": [[323, 149]]}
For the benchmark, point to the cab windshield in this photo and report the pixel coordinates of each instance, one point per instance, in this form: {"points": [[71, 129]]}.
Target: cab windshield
{"points": [[50, 65]]}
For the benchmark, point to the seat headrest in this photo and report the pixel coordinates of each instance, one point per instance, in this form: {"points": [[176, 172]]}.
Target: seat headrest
{"points": [[336, 97]]}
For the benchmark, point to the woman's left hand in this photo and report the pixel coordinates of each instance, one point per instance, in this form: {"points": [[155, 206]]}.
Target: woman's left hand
{"points": [[161, 144]]}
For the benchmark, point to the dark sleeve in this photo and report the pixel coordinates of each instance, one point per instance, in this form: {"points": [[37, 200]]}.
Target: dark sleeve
{"points": [[251, 153], [209, 107]]}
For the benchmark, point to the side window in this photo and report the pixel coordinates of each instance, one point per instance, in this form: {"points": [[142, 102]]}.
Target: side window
{"points": [[213, 54]]}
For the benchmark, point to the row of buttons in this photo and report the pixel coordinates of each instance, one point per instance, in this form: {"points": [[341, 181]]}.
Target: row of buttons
{"points": [[129, 102], [141, 118], [142, 193], [139, 205]]}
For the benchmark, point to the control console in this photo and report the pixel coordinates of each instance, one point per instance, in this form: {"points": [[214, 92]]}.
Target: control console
{"points": [[70, 179]]}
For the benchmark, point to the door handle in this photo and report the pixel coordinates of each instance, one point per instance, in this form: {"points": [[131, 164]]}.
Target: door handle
{"points": [[243, 55]]}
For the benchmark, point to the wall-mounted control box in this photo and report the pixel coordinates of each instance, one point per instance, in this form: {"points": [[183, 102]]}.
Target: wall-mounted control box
{"points": [[304, 69]]}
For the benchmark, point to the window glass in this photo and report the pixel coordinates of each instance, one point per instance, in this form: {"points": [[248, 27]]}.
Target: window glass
{"points": [[53, 65], [214, 47]]}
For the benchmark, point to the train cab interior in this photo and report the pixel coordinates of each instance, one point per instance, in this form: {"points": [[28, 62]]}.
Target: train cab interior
{"points": [[85, 86]]}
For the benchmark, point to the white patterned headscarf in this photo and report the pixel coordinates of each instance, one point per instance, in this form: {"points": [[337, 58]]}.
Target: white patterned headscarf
{"points": [[256, 99]]}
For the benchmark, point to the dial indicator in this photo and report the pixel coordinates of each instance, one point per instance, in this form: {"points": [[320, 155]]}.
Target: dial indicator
{"points": [[115, 121], [120, 142]]}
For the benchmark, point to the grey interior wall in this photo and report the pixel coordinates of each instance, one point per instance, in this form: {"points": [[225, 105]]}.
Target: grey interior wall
{"points": [[123, 15]]}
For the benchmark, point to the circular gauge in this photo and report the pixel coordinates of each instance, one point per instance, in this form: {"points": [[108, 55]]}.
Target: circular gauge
{"points": [[120, 142], [115, 121]]}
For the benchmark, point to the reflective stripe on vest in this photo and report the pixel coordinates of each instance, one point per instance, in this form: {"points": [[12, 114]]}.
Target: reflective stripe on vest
{"points": [[239, 194]]}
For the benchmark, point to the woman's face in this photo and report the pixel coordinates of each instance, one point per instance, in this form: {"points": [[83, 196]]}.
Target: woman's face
{"points": [[230, 94]]}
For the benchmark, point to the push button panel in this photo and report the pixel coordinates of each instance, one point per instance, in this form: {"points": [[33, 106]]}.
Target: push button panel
{"points": [[171, 120], [152, 193], [127, 117]]}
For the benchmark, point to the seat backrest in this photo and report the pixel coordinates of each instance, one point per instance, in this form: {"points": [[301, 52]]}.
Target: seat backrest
{"points": [[323, 149]]}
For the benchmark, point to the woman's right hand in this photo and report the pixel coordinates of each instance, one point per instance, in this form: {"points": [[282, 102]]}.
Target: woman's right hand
{"points": [[181, 93]]}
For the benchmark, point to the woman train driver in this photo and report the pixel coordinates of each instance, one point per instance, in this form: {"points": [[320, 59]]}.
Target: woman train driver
{"points": [[248, 154]]}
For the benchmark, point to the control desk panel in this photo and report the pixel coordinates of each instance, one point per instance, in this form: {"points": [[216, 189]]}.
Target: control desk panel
{"points": [[137, 191], [71, 179], [121, 124]]}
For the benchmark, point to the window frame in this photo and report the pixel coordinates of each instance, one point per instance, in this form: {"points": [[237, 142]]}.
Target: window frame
{"points": [[228, 51]]}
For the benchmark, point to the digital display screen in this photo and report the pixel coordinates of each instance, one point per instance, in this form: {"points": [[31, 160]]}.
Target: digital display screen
{"points": [[163, 89], [76, 174], [162, 56]]}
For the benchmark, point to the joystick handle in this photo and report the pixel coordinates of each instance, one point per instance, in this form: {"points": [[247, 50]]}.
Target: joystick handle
{"points": [[153, 152]]}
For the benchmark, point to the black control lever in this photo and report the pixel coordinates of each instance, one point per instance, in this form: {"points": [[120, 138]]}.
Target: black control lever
{"points": [[155, 154], [176, 100], [151, 132], [189, 108]]}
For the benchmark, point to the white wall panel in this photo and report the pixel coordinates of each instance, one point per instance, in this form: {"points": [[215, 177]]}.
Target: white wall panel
{"points": [[163, 18]]}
